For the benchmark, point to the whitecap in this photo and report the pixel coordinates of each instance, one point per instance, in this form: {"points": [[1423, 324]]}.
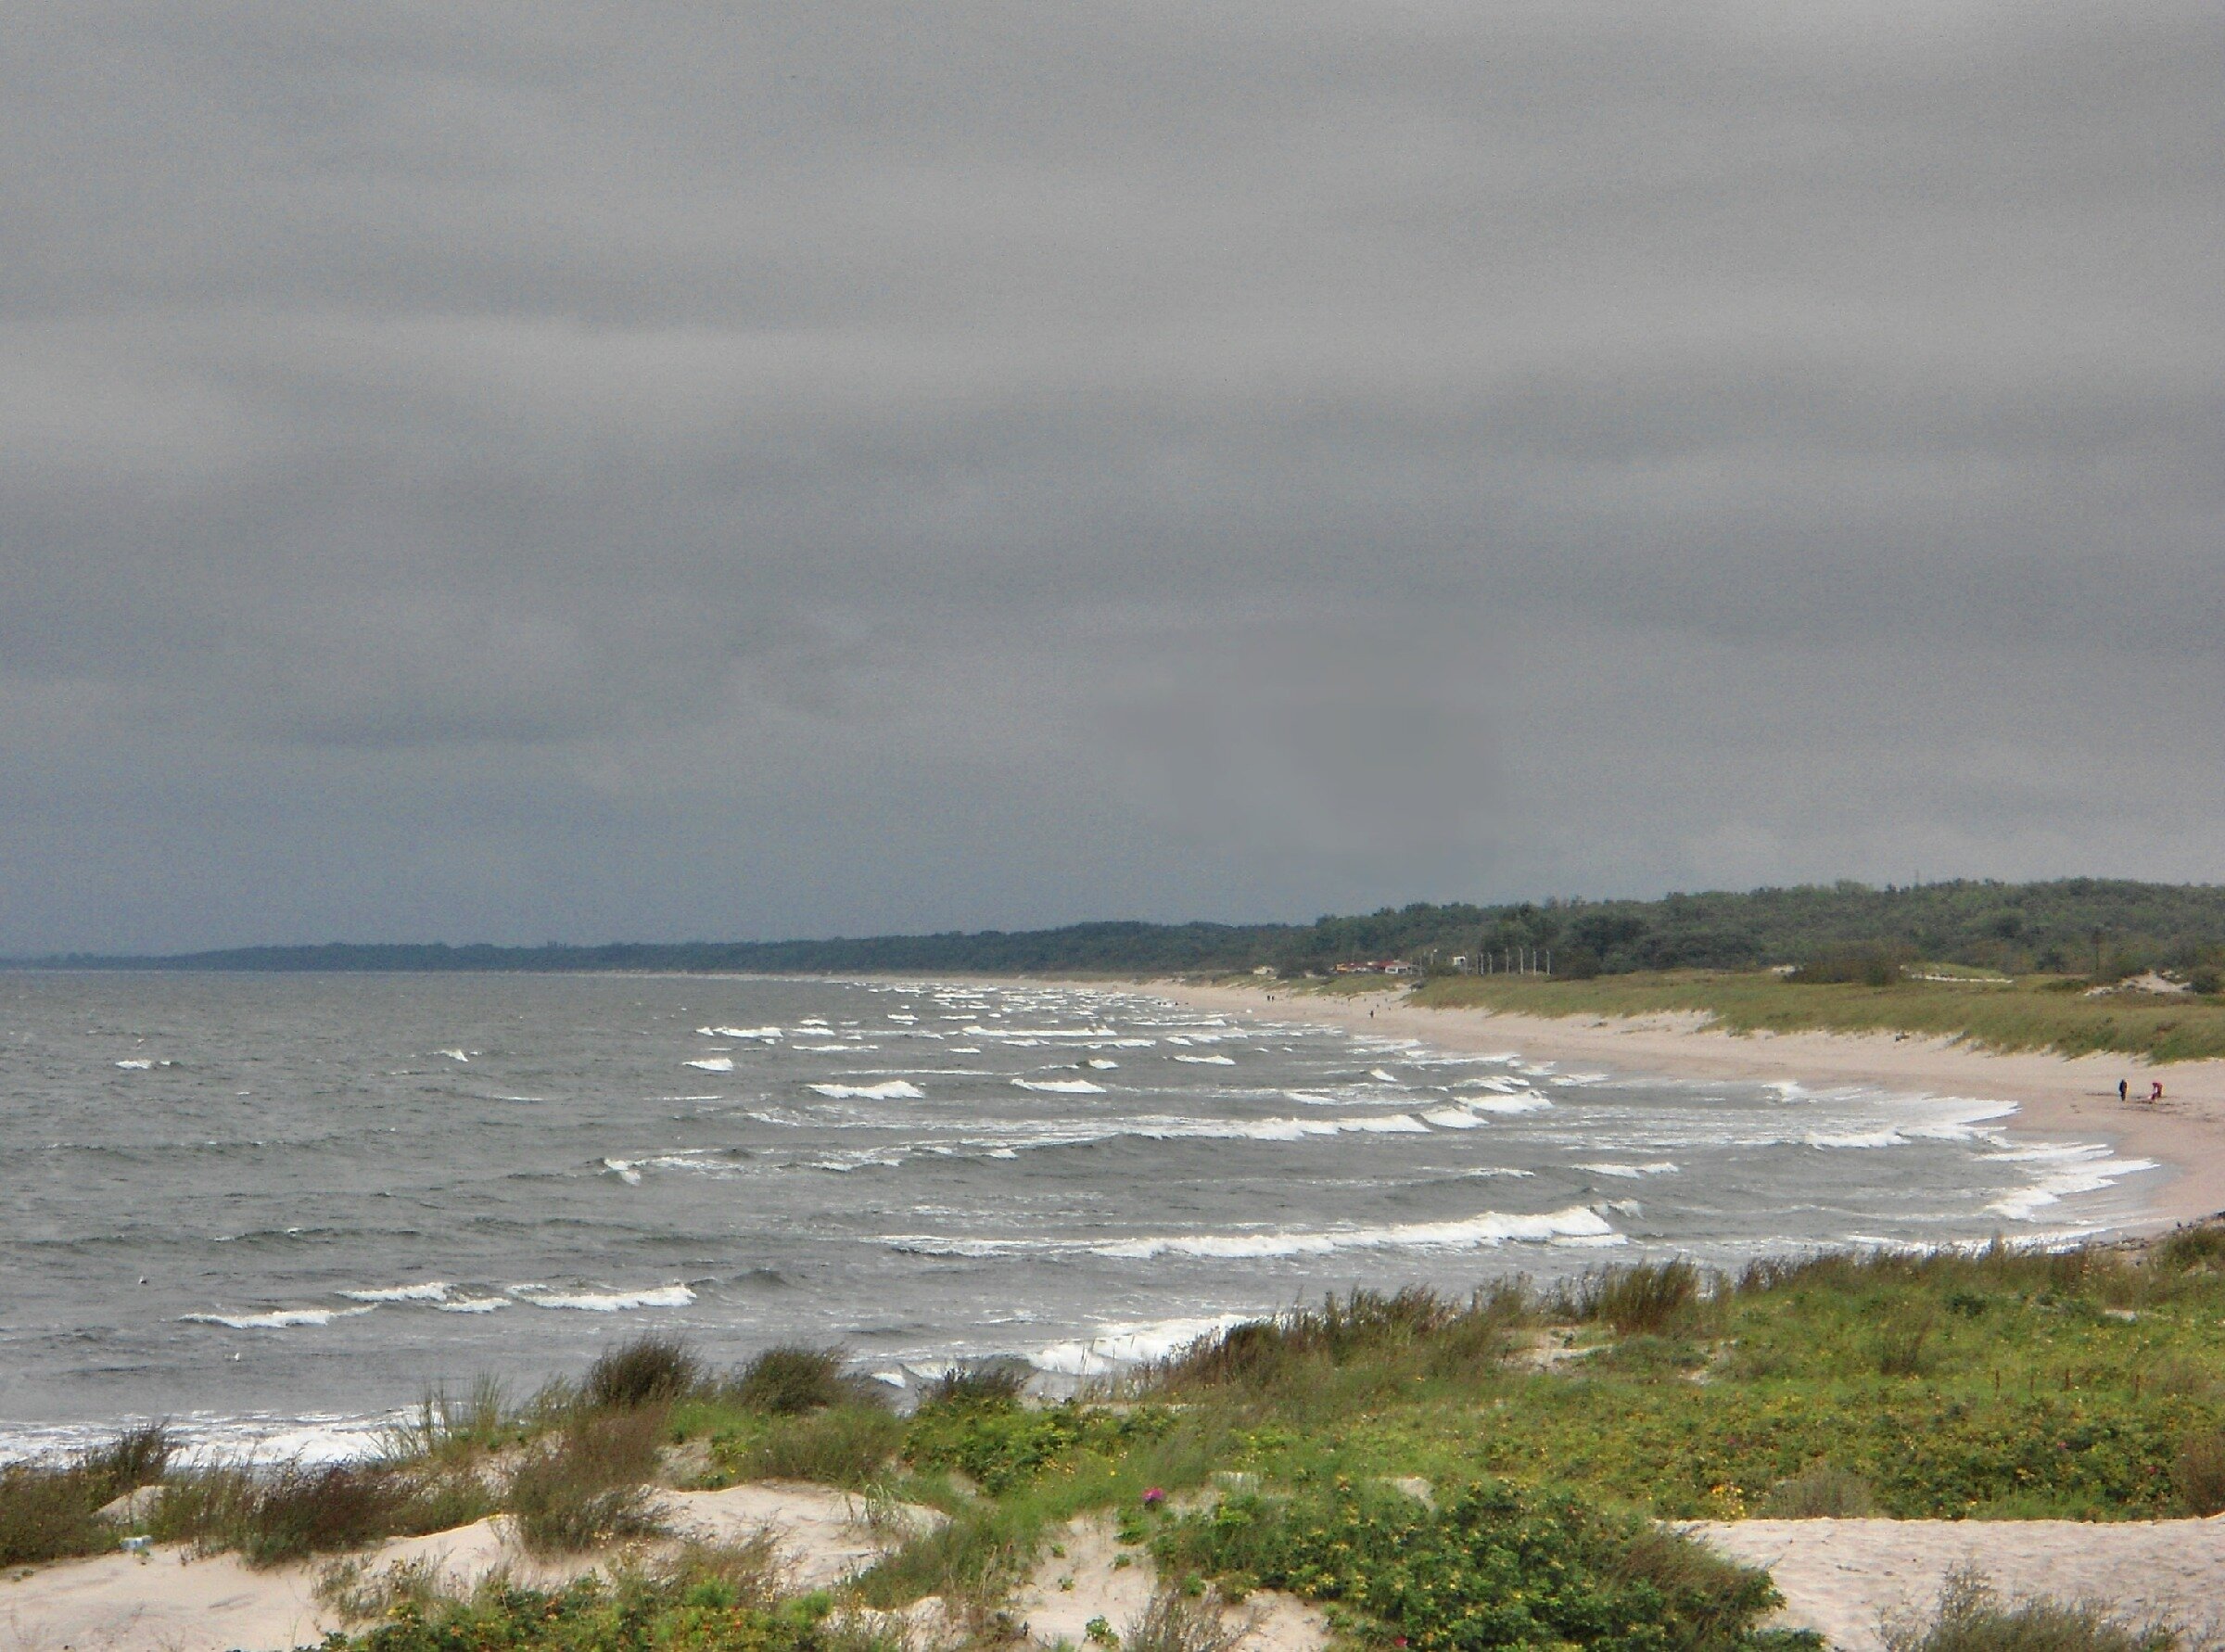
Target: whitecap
{"points": [[432, 1291], [1577, 1223], [895, 1089], [1207, 1061], [1101, 1065], [763, 1034], [1523, 1101], [1630, 1172], [1060, 1087], [136, 1064], [1377, 1073], [277, 1319], [712, 1065], [1454, 1118], [624, 1170], [454, 1055], [472, 1304]]}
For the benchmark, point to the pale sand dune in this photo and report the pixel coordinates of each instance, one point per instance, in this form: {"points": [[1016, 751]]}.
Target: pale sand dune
{"points": [[2185, 1133], [166, 1602], [1839, 1576], [1098, 1588]]}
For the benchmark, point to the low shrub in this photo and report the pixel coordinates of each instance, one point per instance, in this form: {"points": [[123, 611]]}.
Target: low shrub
{"points": [[1649, 1298], [1493, 1567], [636, 1609], [791, 1380], [840, 1446], [1903, 1341], [998, 1383], [1176, 1623], [1003, 1446], [650, 1370], [1972, 1616], [2192, 1250], [588, 1484], [48, 1510], [287, 1511], [1821, 1493], [1874, 965], [2199, 1473]]}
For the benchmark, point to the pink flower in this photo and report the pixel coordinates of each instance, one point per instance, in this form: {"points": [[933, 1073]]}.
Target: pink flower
{"points": [[1153, 1496]]}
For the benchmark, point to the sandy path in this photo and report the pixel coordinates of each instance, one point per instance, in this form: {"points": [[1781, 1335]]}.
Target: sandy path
{"points": [[2185, 1133], [168, 1602], [1838, 1576]]}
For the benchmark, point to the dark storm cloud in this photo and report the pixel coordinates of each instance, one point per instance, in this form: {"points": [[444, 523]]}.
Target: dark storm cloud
{"points": [[527, 470]]}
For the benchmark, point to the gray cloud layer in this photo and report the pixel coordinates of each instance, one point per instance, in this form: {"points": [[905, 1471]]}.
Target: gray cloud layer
{"points": [[530, 471]]}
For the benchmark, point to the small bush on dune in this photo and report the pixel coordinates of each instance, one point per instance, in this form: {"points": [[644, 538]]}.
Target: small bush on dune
{"points": [[791, 1380], [1431, 1334], [999, 1384], [590, 1484], [286, 1511], [1902, 1344], [48, 1510], [1175, 1623], [1973, 1618], [2192, 1250], [1646, 1299], [2199, 1473], [650, 1370], [841, 1446], [1821, 1493]]}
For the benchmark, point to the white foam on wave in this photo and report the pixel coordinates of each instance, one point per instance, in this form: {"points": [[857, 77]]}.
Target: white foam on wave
{"points": [[895, 1089], [432, 1291], [712, 1065], [1521, 1101], [2084, 1167], [136, 1064], [1114, 1347], [1576, 1223], [1060, 1087], [1453, 1118], [624, 1170], [602, 1301], [472, 1304], [1100, 1064], [1382, 1077], [761, 1035], [276, 1319], [455, 1055], [1630, 1172], [1207, 1061]]}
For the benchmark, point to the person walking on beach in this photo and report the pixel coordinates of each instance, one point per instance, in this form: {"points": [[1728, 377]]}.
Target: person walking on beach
{"points": [[2122, 1086], [2156, 1093]]}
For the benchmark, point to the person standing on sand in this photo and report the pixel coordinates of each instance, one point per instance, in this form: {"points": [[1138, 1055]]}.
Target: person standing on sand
{"points": [[2123, 1086]]}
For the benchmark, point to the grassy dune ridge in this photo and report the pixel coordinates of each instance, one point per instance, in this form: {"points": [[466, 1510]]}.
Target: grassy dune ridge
{"points": [[2044, 1012], [1442, 1473]]}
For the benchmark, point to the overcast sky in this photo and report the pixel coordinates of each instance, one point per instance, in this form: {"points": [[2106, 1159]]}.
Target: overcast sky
{"points": [[525, 471]]}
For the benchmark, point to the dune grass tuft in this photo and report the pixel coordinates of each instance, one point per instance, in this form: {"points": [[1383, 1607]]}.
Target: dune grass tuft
{"points": [[589, 1483], [48, 1510], [1819, 1492], [1972, 1616], [649, 1370], [791, 1380]]}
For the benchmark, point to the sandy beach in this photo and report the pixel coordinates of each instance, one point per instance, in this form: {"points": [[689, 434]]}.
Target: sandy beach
{"points": [[2184, 1132]]}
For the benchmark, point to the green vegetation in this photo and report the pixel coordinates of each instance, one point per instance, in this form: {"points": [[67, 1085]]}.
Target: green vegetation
{"points": [[2033, 1012], [1443, 1474], [48, 1511], [2103, 927]]}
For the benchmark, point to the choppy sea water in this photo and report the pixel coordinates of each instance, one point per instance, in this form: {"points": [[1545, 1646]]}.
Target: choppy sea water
{"points": [[277, 1208]]}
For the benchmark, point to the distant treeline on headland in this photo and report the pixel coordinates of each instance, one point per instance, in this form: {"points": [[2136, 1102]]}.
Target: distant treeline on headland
{"points": [[2073, 925]]}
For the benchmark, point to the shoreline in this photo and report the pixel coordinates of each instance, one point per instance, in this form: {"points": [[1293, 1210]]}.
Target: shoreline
{"points": [[2184, 1134]]}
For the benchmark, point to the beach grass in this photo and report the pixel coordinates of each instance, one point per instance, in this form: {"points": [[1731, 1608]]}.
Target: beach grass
{"points": [[2037, 1013]]}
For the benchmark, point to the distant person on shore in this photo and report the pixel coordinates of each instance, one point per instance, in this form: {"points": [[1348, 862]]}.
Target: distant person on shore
{"points": [[2156, 1093], [2122, 1087]]}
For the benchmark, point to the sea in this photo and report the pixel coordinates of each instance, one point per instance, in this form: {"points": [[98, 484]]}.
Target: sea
{"points": [[279, 1210]]}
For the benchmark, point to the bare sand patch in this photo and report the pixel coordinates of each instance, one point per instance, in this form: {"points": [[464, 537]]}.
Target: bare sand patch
{"points": [[1097, 1578], [1839, 1576], [167, 1601]]}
